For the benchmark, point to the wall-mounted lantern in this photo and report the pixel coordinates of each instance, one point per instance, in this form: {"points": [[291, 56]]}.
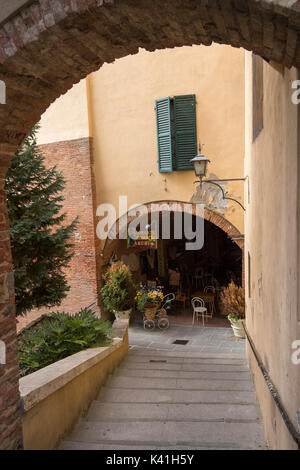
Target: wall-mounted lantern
{"points": [[200, 163]]}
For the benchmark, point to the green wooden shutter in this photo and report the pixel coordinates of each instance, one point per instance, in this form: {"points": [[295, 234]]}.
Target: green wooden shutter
{"points": [[185, 131], [164, 134]]}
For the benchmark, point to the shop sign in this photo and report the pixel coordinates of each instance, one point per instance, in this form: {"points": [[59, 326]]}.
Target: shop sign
{"points": [[141, 240]]}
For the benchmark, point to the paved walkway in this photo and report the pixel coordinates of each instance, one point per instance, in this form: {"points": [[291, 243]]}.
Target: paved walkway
{"points": [[167, 398], [205, 340]]}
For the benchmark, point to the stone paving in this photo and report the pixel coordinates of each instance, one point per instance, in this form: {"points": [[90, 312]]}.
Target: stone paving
{"points": [[173, 400], [204, 340], [165, 396]]}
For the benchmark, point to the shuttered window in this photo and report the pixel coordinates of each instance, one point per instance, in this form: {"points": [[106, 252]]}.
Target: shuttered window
{"points": [[164, 134], [176, 132], [185, 131]]}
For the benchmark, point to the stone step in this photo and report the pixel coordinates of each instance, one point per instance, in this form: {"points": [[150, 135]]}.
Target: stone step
{"points": [[129, 364], [181, 374], [70, 445], [184, 433], [188, 354], [173, 400], [178, 384], [136, 358], [131, 395], [176, 412]]}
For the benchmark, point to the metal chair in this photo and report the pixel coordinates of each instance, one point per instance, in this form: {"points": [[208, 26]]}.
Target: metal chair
{"points": [[199, 309], [211, 303], [209, 289], [181, 296], [215, 283], [198, 277]]}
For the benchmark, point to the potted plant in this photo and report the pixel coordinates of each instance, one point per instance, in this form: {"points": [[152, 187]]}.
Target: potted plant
{"points": [[233, 301], [148, 301], [119, 290]]}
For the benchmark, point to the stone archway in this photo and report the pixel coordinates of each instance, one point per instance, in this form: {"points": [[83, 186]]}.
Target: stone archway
{"points": [[46, 46], [211, 216]]}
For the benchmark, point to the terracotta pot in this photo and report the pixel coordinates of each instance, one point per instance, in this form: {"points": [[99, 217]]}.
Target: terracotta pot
{"points": [[122, 315], [237, 326]]}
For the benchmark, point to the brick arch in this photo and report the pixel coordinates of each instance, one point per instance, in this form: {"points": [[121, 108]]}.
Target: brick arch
{"points": [[211, 216], [47, 46]]}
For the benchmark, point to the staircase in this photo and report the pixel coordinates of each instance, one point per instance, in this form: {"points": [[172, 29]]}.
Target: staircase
{"points": [[173, 400]]}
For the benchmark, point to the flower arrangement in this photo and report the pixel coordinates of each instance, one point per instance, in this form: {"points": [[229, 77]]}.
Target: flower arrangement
{"points": [[233, 301], [146, 297]]}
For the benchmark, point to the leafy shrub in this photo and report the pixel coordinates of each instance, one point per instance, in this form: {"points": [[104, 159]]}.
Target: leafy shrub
{"points": [[119, 290], [60, 336], [233, 301], [41, 241]]}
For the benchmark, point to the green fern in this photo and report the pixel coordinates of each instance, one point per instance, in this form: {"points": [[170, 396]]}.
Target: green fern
{"points": [[60, 336]]}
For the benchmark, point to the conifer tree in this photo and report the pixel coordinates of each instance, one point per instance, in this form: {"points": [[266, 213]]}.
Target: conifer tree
{"points": [[41, 242]]}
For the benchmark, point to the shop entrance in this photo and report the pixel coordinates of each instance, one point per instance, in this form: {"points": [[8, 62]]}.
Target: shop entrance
{"points": [[168, 264]]}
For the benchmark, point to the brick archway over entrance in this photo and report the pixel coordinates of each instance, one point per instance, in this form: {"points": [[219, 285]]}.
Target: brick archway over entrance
{"points": [[46, 46], [49, 45], [211, 216]]}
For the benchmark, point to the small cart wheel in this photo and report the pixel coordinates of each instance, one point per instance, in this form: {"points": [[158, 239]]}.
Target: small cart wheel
{"points": [[149, 325], [163, 323]]}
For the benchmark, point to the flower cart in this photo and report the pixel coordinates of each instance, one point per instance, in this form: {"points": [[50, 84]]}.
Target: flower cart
{"points": [[153, 306]]}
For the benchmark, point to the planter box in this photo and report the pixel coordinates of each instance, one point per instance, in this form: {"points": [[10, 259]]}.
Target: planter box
{"points": [[54, 398]]}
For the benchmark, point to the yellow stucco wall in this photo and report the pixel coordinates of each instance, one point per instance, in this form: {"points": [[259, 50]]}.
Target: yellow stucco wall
{"points": [[271, 240], [116, 106], [67, 118], [123, 98]]}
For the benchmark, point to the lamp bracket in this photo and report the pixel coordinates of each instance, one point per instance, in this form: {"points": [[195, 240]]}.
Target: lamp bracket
{"points": [[215, 182]]}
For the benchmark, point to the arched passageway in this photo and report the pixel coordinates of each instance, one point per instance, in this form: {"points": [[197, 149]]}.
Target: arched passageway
{"points": [[169, 262], [168, 206], [46, 47]]}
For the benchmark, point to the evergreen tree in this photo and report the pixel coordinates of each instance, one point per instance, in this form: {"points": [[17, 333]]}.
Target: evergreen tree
{"points": [[41, 245]]}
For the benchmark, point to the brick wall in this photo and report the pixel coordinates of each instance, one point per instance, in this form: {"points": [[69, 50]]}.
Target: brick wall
{"points": [[74, 159], [10, 413]]}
